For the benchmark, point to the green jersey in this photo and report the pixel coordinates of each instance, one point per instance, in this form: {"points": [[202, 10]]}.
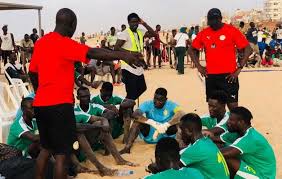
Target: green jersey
{"points": [[18, 128], [114, 100], [206, 157], [183, 173], [257, 153], [76, 75], [93, 110], [209, 122], [229, 137]]}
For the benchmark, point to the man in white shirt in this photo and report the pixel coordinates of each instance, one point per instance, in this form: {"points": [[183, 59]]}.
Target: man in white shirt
{"points": [[26, 47], [112, 38], [180, 49], [7, 43], [131, 39]]}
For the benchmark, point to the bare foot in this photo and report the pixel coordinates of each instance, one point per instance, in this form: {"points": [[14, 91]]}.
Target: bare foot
{"points": [[107, 152], [124, 151], [81, 169], [107, 172], [124, 162]]}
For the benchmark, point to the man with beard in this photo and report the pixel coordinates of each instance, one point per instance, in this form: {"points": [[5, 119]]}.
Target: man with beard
{"points": [[221, 42], [249, 156]]}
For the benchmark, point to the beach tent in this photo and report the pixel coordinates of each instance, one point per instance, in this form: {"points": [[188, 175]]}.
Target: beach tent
{"points": [[12, 6]]}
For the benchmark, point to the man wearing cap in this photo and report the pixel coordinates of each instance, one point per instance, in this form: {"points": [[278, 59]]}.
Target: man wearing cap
{"points": [[220, 42]]}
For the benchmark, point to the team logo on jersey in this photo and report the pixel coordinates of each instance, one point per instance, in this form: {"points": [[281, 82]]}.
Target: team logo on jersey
{"points": [[222, 37], [165, 113]]}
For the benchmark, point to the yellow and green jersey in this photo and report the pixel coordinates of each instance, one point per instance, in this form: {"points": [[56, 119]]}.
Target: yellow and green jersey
{"points": [[205, 156]]}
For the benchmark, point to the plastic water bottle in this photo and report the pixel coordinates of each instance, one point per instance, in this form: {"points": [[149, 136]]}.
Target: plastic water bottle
{"points": [[124, 173]]}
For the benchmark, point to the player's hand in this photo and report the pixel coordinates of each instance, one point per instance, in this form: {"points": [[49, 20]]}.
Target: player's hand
{"points": [[163, 128], [132, 60], [233, 77], [142, 22], [114, 109], [202, 70], [96, 84], [152, 168], [207, 133]]}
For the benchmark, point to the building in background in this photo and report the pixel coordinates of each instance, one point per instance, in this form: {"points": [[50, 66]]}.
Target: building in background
{"points": [[273, 10]]}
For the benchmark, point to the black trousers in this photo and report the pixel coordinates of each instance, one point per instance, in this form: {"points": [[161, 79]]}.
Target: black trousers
{"points": [[135, 85]]}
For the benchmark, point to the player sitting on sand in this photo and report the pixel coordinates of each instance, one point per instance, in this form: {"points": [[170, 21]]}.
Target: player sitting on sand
{"points": [[121, 106], [215, 121], [168, 162], [249, 156], [201, 153], [87, 113], [24, 133], [161, 118]]}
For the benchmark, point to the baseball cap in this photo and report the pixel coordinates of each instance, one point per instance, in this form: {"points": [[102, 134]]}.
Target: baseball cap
{"points": [[213, 13]]}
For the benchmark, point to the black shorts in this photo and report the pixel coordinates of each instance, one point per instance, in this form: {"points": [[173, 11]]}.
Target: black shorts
{"points": [[135, 85], [5, 55], [156, 52], [57, 128], [216, 82], [148, 48]]}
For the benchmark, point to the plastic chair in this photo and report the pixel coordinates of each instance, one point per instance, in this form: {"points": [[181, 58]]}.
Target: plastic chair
{"points": [[18, 87], [7, 111]]}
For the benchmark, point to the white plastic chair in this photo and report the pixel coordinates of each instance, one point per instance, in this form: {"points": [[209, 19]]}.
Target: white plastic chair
{"points": [[18, 87], [7, 111]]}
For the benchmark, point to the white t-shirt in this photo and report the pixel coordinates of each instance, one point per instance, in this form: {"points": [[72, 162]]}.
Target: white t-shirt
{"points": [[7, 43], [124, 35], [279, 34], [181, 39], [260, 36], [193, 36]]}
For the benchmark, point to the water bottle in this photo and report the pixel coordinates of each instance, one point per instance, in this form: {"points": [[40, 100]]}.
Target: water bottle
{"points": [[124, 173]]}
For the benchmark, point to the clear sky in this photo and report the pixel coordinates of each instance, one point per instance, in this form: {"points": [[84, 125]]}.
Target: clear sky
{"points": [[97, 15]]}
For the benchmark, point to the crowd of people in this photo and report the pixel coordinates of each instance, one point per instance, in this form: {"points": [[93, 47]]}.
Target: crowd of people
{"points": [[52, 134]]}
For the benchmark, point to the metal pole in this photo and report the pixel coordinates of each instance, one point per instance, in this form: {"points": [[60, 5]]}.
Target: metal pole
{"points": [[39, 22]]}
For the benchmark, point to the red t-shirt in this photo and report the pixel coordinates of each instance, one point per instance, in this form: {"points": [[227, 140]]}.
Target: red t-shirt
{"points": [[157, 42], [220, 48], [53, 59]]}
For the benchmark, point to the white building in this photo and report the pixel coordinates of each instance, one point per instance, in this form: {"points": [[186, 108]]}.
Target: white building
{"points": [[273, 9]]}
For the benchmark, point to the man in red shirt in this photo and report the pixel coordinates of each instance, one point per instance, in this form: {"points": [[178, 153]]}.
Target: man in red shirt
{"points": [[157, 47], [220, 42], [52, 74]]}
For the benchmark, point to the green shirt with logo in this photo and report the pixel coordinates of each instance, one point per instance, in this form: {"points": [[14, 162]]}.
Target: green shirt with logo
{"points": [[18, 128], [210, 122], [205, 156], [257, 153], [93, 110]]}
